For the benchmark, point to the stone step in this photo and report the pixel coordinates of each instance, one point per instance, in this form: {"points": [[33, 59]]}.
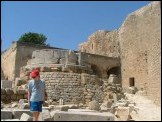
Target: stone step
{"points": [[82, 116]]}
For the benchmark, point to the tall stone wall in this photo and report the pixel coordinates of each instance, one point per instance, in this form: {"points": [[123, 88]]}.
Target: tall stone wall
{"points": [[8, 61], [140, 44], [154, 72], [102, 43], [16, 57]]}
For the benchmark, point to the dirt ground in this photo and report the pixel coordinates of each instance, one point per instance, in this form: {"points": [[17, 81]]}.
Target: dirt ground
{"points": [[146, 109]]}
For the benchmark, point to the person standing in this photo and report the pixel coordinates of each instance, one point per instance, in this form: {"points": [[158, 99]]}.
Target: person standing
{"points": [[36, 94]]}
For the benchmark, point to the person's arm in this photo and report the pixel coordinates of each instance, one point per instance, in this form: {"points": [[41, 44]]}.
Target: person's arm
{"points": [[29, 95]]}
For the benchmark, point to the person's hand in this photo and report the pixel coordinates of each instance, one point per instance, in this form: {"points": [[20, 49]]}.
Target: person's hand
{"points": [[29, 103]]}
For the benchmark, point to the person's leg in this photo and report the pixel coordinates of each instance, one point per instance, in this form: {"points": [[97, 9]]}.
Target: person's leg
{"points": [[35, 116], [34, 107], [39, 110]]}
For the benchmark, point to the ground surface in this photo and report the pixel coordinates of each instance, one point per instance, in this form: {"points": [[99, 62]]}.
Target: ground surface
{"points": [[147, 110]]}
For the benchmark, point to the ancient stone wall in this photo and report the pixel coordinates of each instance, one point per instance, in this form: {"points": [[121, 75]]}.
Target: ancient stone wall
{"points": [[78, 88], [140, 40], [15, 57], [8, 95], [8, 60], [154, 73], [102, 43]]}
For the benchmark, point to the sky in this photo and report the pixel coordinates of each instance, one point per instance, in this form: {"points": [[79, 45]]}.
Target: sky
{"points": [[66, 24]]}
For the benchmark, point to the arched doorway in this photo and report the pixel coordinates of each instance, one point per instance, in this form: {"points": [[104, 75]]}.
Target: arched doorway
{"points": [[114, 70]]}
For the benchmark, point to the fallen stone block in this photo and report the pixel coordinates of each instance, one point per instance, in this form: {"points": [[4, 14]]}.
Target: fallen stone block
{"points": [[10, 120], [3, 97], [9, 91], [45, 115], [23, 101], [14, 97], [25, 106], [3, 91], [6, 114], [106, 105], [123, 113], [18, 112], [25, 117], [18, 82], [94, 105], [82, 116], [14, 105], [131, 90], [52, 113], [21, 91]]}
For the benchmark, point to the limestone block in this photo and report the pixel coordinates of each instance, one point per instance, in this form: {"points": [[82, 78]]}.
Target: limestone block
{"points": [[113, 79], [6, 114], [131, 90], [6, 84], [21, 91], [3, 97], [3, 91], [51, 60], [23, 101], [9, 91], [45, 69], [94, 105], [25, 117], [18, 82], [20, 97], [105, 105], [23, 104], [123, 113], [18, 112], [65, 107], [81, 110], [37, 61], [44, 53], [124, 104], [14, 105], [82, 116], [10, 120], [45, 115]]}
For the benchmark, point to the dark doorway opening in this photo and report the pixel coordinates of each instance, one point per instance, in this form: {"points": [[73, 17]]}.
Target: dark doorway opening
{"points": [[115, 71], [96, 70], [131, 82]]}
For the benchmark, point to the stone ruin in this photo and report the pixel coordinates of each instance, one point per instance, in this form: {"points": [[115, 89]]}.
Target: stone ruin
{"points": [[84, 86], [74, 87]]}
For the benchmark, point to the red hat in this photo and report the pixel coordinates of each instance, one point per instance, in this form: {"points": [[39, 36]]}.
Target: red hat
{"points": [[34, 73]]}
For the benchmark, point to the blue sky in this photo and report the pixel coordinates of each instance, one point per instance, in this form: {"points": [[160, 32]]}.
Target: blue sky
{"points": [[66, 24]]}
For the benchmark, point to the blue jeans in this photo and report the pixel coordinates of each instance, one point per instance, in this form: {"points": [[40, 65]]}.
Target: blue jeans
{"points": [[36, 106]]}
